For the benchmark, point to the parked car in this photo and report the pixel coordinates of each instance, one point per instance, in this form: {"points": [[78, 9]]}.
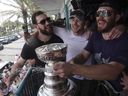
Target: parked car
{"points": [[1, 46], [6, 40]]}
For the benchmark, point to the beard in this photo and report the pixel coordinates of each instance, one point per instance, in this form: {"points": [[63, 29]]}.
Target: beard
{"points": [[45, 32], [108, 27]]}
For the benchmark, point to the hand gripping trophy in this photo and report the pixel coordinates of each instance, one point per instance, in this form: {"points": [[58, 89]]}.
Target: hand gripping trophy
{"points": [[53, 84]]}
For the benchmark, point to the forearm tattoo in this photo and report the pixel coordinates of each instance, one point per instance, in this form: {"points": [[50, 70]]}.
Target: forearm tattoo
{"points": [[15, 73]]}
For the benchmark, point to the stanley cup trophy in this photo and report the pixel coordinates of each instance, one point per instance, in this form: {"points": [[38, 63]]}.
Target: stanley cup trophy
{"points": [[53, 84]]}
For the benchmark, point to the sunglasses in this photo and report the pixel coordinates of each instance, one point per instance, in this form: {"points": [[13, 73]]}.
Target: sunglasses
{"points": [[105, 13], [44, 21]]}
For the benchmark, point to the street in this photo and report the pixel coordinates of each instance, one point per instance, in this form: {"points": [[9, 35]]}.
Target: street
{"points": [[10, 50]]}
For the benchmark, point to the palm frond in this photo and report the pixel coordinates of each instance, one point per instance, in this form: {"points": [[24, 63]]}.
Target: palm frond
{"points": [[10, 5], [23, 9]]}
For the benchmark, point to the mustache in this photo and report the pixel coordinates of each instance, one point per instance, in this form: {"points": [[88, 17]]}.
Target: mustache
{"points": [[45, 32], [101, 20]]}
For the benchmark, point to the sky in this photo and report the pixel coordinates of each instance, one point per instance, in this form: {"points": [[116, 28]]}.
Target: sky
{"points": [[4, 8]]}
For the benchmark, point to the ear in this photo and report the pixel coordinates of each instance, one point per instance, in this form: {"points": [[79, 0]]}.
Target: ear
{"points": [[118, 16]]}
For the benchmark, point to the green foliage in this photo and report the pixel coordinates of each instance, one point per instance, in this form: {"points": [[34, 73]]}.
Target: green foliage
{"points": [[24, 9], [9, 27]]}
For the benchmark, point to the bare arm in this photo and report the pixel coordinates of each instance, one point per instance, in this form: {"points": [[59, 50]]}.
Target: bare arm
{"points": [[99, 72], [80, 58], [19, 64], [14, 70]]}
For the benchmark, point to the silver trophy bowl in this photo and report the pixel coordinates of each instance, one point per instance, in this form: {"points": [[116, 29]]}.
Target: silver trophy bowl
{"points": [[53, 84]]}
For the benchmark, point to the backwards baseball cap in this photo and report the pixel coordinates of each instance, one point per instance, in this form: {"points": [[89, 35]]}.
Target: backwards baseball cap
{"points": [[78, 13], [112, 4]]}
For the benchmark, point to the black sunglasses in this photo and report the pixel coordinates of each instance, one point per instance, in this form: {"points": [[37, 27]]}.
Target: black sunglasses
{"points": [[44, 21], [105, 13]]}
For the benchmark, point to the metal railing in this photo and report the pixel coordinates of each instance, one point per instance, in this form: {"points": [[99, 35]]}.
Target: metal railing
{"points": [[31, 83]]}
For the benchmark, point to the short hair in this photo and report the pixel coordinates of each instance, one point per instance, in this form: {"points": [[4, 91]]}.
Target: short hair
{"points": [[34, 15]]}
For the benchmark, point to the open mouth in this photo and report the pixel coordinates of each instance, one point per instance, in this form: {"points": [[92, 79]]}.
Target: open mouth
{"points": [[101, 23]]}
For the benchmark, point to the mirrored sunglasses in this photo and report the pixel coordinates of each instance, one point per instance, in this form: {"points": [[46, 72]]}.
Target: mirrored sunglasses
{"points": [[105, 13], [44, 20]]}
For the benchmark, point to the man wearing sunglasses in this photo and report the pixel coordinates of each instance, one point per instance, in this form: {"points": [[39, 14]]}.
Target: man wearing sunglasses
{"points": [[44, 35], [77, 38], [110, 55]]}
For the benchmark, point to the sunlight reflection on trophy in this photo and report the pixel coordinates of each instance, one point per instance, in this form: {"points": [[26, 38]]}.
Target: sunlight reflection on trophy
{"points": [[53, 84]]}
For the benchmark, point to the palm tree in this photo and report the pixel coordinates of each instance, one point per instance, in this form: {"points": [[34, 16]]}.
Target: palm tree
{"points": [[24, 9]]}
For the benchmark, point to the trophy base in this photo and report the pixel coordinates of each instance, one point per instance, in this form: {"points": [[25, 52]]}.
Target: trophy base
{"points": [[70, 90]]}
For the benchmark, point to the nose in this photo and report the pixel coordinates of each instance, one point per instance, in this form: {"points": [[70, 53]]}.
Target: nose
{"points": [[100, 17], [75, 22], [47, 22]]}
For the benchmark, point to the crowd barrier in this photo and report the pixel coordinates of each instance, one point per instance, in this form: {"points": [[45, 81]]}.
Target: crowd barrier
{"points": [[30, 84]]}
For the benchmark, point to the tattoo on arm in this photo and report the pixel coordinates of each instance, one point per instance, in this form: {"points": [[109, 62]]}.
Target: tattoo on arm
{"points": [[15, 73]]}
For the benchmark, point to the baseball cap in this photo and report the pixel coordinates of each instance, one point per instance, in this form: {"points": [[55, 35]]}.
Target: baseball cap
{"points": [[78, 13], [112, 4]]}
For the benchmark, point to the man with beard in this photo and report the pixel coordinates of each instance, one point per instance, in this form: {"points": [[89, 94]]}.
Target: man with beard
{"points": [[76, 39], [43, 35], [110, 56]]}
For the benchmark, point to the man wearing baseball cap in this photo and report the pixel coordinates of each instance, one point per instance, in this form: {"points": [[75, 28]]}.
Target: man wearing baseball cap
{"points": [[110, 55]]}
